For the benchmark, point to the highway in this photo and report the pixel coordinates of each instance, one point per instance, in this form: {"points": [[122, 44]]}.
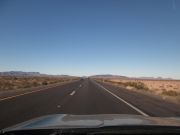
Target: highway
{"points": [[83, 97]]}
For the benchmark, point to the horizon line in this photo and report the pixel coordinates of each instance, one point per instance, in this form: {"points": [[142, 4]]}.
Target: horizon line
{"points": [[155, 77]]}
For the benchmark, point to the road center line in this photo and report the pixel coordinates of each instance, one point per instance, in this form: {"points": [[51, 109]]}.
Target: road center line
{"points": [[130, 105], [58, 106], [72, 93]]}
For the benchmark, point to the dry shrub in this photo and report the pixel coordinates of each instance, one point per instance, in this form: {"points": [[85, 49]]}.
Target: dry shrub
{"points": [[14, 83], [170, 93]]}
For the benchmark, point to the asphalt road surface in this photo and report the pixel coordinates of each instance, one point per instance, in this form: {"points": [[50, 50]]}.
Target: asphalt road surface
{"points": [[83, 97]]}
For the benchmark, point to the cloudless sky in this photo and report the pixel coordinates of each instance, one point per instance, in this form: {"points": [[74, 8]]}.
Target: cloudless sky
{"points": [[85, 37]]}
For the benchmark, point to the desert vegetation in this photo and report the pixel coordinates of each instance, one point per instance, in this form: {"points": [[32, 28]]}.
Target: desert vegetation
{"points": [[16, 83], [128, 84], [164, 88]]}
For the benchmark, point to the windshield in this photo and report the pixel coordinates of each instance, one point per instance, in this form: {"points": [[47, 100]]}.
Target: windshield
{"points": [[88, 58]]}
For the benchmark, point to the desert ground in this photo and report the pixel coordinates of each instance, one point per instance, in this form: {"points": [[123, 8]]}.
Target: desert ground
{"points": [[11, 83], [169, 89]]}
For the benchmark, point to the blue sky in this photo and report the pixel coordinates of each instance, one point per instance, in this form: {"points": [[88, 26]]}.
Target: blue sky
{"points": [[85, 37]]}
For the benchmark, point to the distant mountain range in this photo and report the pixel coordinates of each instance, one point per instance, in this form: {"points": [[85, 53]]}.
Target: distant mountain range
{"points": [[109, 76], [27, 74], [155, 78]]}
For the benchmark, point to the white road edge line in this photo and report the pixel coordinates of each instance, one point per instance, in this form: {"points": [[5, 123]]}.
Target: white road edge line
{"points": [[135, 108], [72, 93], [34, 91]]}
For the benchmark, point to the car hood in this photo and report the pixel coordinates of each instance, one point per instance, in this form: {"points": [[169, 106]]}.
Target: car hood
{"points": [[61, 121]]}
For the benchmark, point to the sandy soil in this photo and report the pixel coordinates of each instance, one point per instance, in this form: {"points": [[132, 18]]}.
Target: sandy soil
{"points": [[167, 89], [16, 83]]}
